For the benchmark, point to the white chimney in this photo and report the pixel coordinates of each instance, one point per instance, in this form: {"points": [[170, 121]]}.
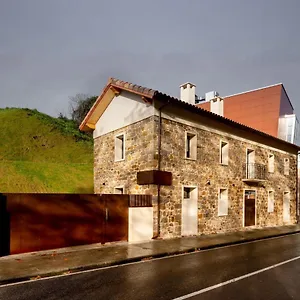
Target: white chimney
{"points": [[216, 106], [188, 93]]}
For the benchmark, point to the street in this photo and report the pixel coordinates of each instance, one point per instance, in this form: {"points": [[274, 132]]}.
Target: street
{"points": [[199, 275]]}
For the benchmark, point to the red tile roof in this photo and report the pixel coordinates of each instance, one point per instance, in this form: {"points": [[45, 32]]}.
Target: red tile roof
{"points": [[155, 94]]}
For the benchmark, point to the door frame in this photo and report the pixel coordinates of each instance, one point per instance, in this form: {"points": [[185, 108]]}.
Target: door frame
{"points": [[244, 193], [182, 195]]}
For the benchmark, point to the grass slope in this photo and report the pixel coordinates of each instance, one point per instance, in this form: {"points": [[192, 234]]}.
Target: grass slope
{"points": [[39, 153]]}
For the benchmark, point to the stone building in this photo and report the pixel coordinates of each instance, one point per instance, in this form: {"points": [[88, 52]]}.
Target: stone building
{"points": [[207, 174]]}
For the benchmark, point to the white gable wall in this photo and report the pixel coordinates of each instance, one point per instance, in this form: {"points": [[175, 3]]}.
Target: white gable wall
{"points": [[125, 109]]}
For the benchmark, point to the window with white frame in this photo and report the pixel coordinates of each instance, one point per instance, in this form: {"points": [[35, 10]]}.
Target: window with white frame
{"points": [[190, 145], [223, 202], [271, 160], [224, 153], [119, 190], [286, 166], [120, 147], [270, 201]]}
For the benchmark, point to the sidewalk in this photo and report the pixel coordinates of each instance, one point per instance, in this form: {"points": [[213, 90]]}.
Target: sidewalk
{"points": [[33, 265]]}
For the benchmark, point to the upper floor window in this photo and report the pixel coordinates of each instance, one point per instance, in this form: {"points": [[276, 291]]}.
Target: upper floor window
{"points": [[190, 145], [224, 153], [286, 169], [271, 163], [120, 147]]}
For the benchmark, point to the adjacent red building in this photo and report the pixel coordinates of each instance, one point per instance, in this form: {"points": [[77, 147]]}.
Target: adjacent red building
{"points": [[267, 109]]}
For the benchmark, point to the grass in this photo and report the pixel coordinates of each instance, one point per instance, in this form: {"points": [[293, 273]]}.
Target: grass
{"points": [[39, 153]]}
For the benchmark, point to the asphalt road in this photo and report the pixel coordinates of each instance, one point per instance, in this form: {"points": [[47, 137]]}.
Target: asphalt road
{"points": [[179, 276]]}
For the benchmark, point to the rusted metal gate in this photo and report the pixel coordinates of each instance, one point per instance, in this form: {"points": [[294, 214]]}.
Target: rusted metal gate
{"points": [[34, 222], [4, 228]]}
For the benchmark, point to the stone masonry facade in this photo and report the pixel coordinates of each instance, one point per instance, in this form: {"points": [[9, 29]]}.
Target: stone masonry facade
{"points": [[206, 172]]}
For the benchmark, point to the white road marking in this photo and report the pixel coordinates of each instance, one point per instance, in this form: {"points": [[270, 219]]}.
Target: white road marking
{"points": [[140, 262], [187, 296]]}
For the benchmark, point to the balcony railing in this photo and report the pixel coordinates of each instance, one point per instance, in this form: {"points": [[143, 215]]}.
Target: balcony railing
{"points": [[254, 172]]}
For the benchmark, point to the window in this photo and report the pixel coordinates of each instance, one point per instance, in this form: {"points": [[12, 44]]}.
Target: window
{"points": [[187, 192], [223, 202], [190, 145], [119, 190], [286, 166], [224, 153], [120, 147], [270, 201], [271, 163]]}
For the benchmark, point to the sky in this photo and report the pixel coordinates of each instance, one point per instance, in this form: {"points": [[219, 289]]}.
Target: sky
{"points": [[51, 50]]}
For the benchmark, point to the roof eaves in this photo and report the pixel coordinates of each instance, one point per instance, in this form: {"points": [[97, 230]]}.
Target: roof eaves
{"points": [[227, 121]]}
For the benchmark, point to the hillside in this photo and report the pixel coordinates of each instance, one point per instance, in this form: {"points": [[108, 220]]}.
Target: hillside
{"points": [[39, 153]]}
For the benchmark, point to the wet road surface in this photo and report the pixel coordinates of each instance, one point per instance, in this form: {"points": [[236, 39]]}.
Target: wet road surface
{"points": [[179, 276]]}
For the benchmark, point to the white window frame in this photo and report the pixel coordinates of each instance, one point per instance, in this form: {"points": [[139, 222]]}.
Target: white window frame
{"points": [[222, 154], [271, 163], [121, 187], [220, 194], [286, 166], [192, 145], [117, 157], [271, 201]]}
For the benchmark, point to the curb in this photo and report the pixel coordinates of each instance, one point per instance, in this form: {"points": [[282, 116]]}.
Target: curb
{"points": [[36, 277]]}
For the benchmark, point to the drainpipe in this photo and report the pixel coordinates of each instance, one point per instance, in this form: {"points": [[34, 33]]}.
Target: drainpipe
{"points": [[159, 165]]}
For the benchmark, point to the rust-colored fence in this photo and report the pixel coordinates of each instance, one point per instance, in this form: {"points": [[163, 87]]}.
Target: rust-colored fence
{"points": [[33, 222], [140, 201]]}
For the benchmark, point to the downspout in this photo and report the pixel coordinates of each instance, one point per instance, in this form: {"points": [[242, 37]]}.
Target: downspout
{"points": [[159, 164]]}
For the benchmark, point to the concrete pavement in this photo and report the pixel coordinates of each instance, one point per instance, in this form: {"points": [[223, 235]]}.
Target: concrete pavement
{"points": [[269, 269], [22, 267]]}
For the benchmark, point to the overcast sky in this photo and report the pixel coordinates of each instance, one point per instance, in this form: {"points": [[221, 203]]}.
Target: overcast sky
{"points": [[53, 49]]}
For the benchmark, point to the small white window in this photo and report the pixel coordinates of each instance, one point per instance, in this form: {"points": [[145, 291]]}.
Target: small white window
{"points": [[224, 153], [190, 145], [223, 202], [286, 166], [120, 147], [270, 201], [119, 190], [271, 163]]}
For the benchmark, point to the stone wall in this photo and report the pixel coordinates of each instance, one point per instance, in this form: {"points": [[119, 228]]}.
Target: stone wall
{"points": [[209, 175], [205, 172], [140, 155]]}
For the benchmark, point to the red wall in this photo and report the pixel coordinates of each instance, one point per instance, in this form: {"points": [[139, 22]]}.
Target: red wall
{"points": [[45, 221], [258, 109]]}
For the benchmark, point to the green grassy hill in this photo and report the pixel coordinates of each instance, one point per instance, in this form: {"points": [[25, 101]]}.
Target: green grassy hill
{"points": [[39, 153]]}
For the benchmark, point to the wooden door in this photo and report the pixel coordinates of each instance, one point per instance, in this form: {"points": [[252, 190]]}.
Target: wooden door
{"points": [[249, 208]]}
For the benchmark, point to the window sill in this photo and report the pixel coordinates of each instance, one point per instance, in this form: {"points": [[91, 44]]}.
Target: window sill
{"points": [[189, 158], [119, 160], [222, 215], [222, 164]]}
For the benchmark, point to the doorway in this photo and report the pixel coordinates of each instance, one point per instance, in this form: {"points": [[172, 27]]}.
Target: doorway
{"points": [[286, 207], [249, 208], [189, 212]]}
